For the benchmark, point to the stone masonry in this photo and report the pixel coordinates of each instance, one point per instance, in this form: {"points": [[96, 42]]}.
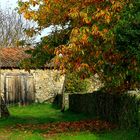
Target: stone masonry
{"points": [[47, 82]]}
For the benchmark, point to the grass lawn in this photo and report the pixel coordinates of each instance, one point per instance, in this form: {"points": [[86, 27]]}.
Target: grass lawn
{"points": [[40, 114]]}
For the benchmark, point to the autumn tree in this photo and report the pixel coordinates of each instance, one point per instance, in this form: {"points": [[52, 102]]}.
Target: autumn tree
{"points": [[44, 50], [93, 46]]}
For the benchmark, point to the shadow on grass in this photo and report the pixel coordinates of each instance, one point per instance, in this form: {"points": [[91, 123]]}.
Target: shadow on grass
{"points": [[39, 114]]}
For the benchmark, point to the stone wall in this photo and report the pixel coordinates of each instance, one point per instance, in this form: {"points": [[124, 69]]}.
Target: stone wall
{"points": [[47, 82], [94, 84]]}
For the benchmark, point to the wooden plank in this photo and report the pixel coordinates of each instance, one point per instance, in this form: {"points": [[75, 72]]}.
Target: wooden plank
{"points": [[22, 90], [6, 92], [9, 88], [19, 90], [30, 89], [12, 89]]}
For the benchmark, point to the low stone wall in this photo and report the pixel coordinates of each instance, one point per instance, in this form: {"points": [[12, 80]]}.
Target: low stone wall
{"points": [[46, 83]]}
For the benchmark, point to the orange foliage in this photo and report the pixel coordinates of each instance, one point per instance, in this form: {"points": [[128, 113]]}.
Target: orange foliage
{"points": [[90, 21]]}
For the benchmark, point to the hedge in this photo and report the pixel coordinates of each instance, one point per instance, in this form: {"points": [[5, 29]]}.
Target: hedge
{"points": [[122, 109]]}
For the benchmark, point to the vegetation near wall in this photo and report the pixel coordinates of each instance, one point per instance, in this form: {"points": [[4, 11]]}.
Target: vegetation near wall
{"points": [[121, 109], [75, 84]]}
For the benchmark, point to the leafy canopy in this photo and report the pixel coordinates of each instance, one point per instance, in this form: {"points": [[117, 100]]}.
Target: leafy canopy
{"points": [[98, 40]]}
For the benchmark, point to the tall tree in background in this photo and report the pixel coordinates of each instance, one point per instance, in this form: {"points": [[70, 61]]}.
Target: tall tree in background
{"points": [[93, 42], [12, 28]]}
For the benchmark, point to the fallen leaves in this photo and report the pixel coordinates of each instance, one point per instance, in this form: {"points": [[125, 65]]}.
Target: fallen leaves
{"points": [[61, 127]]}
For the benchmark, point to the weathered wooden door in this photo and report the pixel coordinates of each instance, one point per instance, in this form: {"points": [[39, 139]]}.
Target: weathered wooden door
{"points": [[19, 88]]}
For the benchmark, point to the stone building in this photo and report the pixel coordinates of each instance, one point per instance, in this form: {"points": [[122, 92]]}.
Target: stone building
{"points": [[20, 86]]}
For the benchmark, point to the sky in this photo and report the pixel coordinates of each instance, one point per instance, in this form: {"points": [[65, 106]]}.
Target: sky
{"points": [[8, 3]]}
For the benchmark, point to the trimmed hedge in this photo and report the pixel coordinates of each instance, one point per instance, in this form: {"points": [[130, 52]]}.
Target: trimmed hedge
{"points": [[121, 109]]}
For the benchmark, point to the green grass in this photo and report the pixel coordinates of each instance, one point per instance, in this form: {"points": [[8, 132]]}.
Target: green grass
{"points": [[46, 113], [24, 136], [38, 114], [115, 135]]}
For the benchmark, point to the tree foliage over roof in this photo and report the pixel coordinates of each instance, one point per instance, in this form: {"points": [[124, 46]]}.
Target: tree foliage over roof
{"points": [[98, 36]]}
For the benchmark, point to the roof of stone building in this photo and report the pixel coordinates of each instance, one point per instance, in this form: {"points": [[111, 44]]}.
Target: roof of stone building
{"points": [[11, 57]]}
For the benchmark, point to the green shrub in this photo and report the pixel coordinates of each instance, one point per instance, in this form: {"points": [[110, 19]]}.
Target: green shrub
{"points": [[75, 84]]}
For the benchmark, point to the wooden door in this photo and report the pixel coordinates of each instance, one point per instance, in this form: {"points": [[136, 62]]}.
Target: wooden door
{"points": [[19, 89]]}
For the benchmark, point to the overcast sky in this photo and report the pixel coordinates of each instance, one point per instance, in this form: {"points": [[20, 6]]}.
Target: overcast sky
{"points": [[8, 3]]}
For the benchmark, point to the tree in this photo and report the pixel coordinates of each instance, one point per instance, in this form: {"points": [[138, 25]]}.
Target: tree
{"points": [[44, 51], [12, 29], [125, 71], [93, 46]]}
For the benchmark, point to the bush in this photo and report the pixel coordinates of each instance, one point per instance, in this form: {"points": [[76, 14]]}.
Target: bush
{"points": [[75, 84]]}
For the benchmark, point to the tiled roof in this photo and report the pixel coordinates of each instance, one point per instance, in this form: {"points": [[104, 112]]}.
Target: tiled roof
{"points": [[11, 57]]}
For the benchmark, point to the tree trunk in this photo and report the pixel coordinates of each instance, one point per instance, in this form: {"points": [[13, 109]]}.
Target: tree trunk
{"points": [[63, 95], [3, 109]]}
